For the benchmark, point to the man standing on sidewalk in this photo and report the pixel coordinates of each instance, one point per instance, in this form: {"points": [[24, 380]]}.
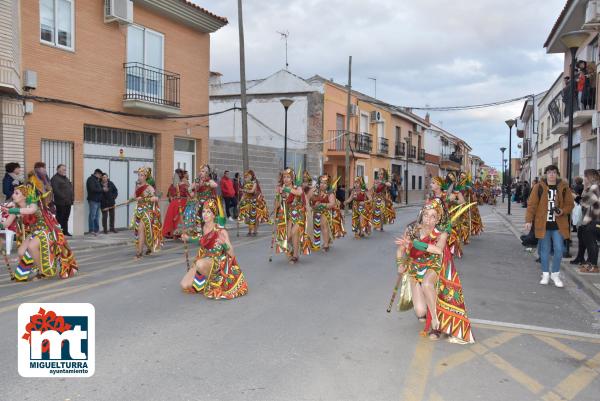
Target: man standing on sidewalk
{"points": [[62, 189], [549, 204], [228, 194], [94, 197]]}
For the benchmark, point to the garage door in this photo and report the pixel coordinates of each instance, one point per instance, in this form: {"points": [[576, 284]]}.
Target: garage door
{"points": [[118, 153]]}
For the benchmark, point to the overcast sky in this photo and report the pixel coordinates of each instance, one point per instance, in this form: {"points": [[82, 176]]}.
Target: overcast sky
{"points": [[426, 52]]}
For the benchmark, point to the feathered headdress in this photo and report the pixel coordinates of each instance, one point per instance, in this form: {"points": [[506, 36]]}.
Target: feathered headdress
{"points": [[216, 208], [30, 192], [439, 181], [360, 179], [147, 171], [287, 171]]}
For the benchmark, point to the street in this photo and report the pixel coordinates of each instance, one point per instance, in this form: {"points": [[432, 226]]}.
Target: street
{"points": [[317, 330]]}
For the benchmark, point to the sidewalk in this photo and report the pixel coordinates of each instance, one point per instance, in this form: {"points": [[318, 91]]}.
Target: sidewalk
{"points": [[588, 282], [85, 242]]}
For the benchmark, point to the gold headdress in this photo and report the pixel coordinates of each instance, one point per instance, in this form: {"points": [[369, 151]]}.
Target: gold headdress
{"points": [[216, 208], [30, 192], [438, 180]]}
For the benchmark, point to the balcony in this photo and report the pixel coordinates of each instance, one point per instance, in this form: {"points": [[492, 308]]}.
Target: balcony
{"points": [[383, 146], [560, 119], [360, 143], [451, 161], [400, 149], [150, 90], [526, 148], [421, 154], [412, 152]]}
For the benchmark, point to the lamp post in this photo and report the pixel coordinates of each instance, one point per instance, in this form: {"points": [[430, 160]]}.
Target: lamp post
{"points": [[510, 124], [286, 105], [406, 172], [502, 149]]}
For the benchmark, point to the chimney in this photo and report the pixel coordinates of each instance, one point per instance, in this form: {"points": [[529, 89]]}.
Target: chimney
{"points": [[427, 117]]}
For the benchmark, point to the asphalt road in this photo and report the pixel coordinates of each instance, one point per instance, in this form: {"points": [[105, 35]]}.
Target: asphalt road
{"points": [[317, 330]]}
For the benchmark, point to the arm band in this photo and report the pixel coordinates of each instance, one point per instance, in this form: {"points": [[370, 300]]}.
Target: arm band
{"points": [[14, 210], [287, 190], [421, 246], [226, 247]]}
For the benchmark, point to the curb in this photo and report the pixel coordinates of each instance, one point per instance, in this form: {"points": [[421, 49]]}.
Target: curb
{"points": [[580, 281]]}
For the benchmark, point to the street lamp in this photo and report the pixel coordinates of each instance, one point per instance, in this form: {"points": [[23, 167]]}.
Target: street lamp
{"points": [[286, 105], [572, 41], [510, 124], [502, 149]]}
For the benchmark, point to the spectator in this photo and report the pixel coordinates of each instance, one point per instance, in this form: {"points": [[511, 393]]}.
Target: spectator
{"points": [[12, 179], [109, 196], [578, 186], [94, 197], [340, 194], [62, 189], [394, 188], [237, 186], [590, 204], [40, 179], [228, 194], [525, 193], [548, 209]]}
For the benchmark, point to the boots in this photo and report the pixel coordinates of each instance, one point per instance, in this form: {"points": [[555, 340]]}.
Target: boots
{"points": [[545, 278]]}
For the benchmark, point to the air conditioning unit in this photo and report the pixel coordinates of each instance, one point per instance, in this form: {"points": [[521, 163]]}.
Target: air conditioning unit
{"points": [[376, 117], [118, 10], [29, 80], [353, 109], [592, 14]]}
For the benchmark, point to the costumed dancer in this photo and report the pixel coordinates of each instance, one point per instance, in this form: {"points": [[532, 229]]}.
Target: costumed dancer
{"points": [[215, 272], [253, 208], [146, 223], [201, 190], [383, 208], [362, 209], [307, 185], [42, 245], [323, 203], [178, 194], [473, 218], [440, 189], [423, 253], [290, 217]]}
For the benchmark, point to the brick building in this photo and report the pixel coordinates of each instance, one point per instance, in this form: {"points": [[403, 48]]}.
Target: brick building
{"points": [[142, 58]]}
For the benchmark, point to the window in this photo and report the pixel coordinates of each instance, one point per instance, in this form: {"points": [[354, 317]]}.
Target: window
{"points": [[57, 20], [548, 128], [360, 170], [542, 135], [398, 135], [413, 182], [145, 47], [420, 182], [117, 137]]}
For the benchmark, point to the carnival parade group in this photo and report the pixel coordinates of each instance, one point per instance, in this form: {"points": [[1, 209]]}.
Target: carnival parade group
{"points": [[304, 218]]}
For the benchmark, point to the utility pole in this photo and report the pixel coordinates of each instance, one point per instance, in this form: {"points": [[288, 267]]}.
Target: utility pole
{"points": [[348, 112], [245, 161]]}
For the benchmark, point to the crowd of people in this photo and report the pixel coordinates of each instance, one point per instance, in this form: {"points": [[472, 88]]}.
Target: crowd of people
{"points": [[554, 211]]}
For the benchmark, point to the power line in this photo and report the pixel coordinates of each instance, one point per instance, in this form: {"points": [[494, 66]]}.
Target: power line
{"points": [[42, 99]]}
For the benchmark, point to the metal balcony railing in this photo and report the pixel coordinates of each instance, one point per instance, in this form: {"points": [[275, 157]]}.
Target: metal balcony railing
{"points": [[383, 146], [400, 149], [412, 152], [557, 109], [362, 143], [453, 157], [151, 84]]}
